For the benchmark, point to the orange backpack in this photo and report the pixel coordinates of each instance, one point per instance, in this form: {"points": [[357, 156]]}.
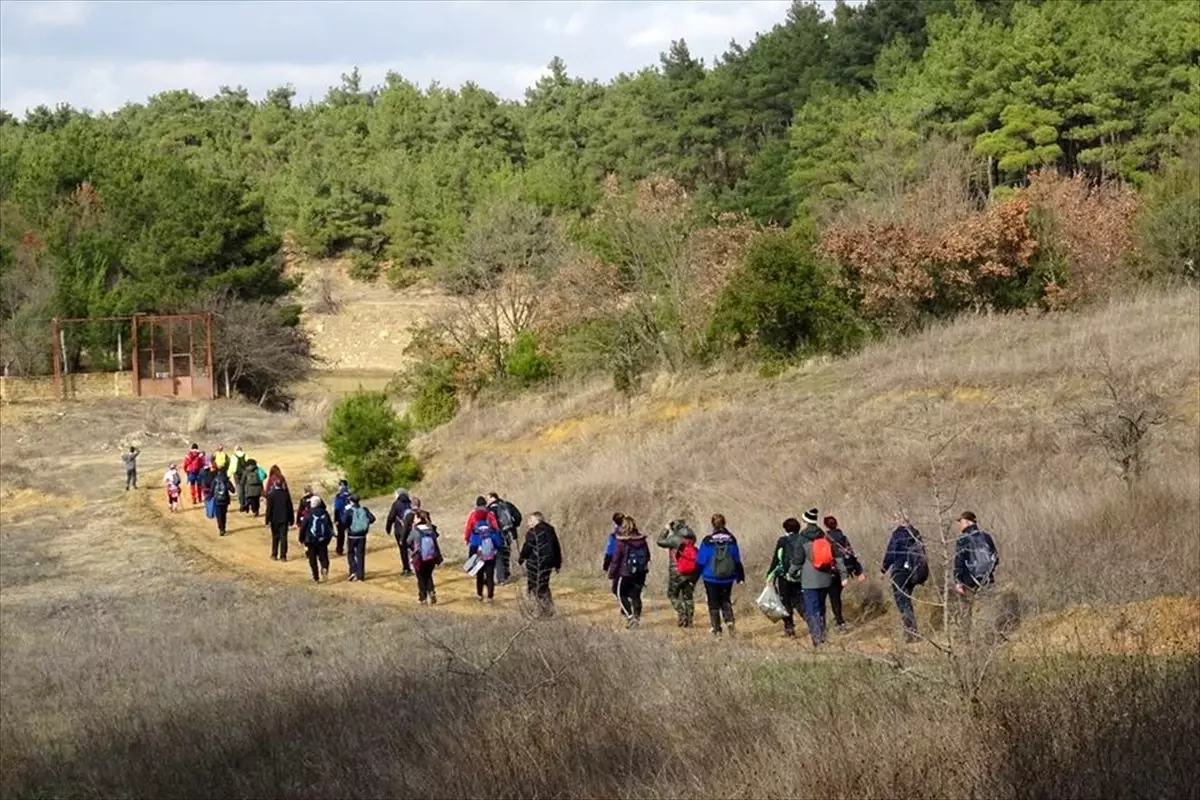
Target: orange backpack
{"points": [[822, 554]]}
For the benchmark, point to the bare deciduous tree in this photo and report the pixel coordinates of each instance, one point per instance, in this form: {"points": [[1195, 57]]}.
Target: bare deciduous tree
{"points": [[1120, 421]]}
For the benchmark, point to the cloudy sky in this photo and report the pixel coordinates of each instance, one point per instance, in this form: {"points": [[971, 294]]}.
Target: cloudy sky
{"points": [[104, 53]]}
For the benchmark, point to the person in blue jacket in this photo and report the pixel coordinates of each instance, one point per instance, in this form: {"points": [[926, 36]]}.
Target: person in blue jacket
{"points": [[905, 565], [485, 542], [340, 522], [720, 564], [610, 548]]}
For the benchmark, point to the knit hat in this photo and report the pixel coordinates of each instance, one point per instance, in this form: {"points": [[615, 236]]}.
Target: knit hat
{"points": [[316, 502], [401, 493], [480, 502], [811, 516]]}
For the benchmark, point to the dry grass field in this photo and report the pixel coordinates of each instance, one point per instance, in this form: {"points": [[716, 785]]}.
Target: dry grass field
{"points": [[141, 656]]}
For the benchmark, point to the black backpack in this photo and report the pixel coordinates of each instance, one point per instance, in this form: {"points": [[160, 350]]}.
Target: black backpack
{"points": [[637, 558], [220, 491], [915, 560]]}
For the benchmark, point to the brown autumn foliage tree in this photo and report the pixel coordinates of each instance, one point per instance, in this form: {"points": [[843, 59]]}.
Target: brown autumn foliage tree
{"points": [[1086, 232]]}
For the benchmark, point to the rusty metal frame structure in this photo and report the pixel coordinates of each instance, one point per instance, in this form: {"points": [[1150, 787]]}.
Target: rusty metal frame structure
{"points": [[152, 384]]}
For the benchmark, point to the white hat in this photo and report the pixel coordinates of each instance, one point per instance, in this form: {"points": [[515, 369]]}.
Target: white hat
{"points": [[315, 501]]}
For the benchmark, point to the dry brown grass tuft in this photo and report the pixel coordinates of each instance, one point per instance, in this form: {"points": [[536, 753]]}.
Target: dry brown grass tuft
{"points": [[198, 419]]}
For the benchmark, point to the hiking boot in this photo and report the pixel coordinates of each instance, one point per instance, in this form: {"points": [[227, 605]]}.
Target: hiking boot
{"points": [[353, 577], [324, 572], [274, 558], [729, 625], [632, 623], [716, 634], [406, 573], [789, 633], [479, 598], [490, 600], [222, 533], [421, 601], [433, 598], [316, 579], [681, 623], [842, 628], [283, 558]]}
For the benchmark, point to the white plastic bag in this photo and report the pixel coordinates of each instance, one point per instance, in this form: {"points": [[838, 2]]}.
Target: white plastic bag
{"points": [[769, 603], [472, 565]]}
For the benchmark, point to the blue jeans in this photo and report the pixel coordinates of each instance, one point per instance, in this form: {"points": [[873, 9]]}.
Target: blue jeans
{"points": [[356, 556], [814, 613]]}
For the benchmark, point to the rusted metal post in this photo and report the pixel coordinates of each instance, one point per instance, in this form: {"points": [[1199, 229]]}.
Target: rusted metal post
{"points": [[136, 360], [171, 354], [212, 376], [55, 359]]}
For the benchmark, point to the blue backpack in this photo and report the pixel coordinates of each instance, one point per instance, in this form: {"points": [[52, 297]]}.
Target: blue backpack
{"points": [[320, 529], [487, 547]]}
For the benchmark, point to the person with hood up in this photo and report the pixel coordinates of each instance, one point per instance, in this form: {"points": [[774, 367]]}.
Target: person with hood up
{"points": [[399, 524], [130, 461], [906, 566], [720, 564], [252, 487], [541, 554], [359, 520], [478, 513], [279, 515], [610, 546], [629, 567], [680, 541], [508, 517], [173, 483], [484, 543], [426, 553], [813, 563], [339, 514], [193, 462], [316, 533]]}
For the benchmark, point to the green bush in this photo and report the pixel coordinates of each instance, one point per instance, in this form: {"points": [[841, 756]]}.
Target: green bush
{"points": [[525, 364], [1169, 224], [363, 268], [400, 276], [784, 302], [435, 395], [367, 440]]}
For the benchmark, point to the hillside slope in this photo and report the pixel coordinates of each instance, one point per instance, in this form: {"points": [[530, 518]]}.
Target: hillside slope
{"points": [[987, 404]]}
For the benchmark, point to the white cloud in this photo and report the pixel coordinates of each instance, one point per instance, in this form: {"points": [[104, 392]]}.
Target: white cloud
{"points": [[706, 26], [51, 13]]}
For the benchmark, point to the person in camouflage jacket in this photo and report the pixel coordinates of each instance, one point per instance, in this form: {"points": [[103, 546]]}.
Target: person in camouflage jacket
{"points": [[680, 540]]}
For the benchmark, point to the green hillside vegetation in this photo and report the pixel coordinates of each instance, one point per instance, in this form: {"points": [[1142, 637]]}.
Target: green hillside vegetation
{"points": [[904, 160]]}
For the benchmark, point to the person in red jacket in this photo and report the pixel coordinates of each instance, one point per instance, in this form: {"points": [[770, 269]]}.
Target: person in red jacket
{"points": [[193, 462], [480, 512]]}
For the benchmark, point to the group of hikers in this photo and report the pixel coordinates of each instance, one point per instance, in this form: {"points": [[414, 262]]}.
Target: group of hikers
{"points": [[812, 560]]}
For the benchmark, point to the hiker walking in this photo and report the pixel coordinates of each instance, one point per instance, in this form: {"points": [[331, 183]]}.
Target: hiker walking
{"points": [[279, 514], [682, 574], [908, 567], [340, 500], [479, 512], [720, 565], [788, 588], [237, 469], [484, 543], [426, 553], [252, 487], [975, 562], [193, 462], [610, 546], [541, 554], [359, 520], [399, 524], [221, 492], [220, 460], [629, 566], [303, 509], [130, 459], [315, 534], [172, 482], [813, 564], [508, 517], [854, 569]]}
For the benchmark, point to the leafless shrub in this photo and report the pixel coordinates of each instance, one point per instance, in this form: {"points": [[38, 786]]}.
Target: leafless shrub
{"points": [[198, 420], [1120, 421], [325, 301]]}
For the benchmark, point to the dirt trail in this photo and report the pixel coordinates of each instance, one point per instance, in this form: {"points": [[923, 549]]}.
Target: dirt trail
{"points": [[1161, 625]]}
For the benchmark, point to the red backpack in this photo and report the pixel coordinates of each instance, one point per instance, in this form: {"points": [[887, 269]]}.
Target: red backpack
{"points": [[822, 554], [685, 558]]}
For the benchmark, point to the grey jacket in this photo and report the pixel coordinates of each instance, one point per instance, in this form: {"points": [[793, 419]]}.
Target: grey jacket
{"points": [[810, 576]]}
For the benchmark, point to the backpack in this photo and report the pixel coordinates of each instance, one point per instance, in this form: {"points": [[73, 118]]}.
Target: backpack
{"points": [[359, 521], [723, 565], [321, 529], [685, 558], [795, 557], [637, 558], [487, 547], [220, 491], [822, 554], [427, 548], [981, 559], [915, 561], [504, 515]]}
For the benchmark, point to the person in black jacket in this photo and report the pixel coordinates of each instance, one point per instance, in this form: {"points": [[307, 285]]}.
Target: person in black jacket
{"points": [[540, 555], [399, 524], [843, 549], [280, 516]]}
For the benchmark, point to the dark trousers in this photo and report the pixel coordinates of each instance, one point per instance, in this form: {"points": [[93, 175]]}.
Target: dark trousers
{"points": [[538, 584], [340, 527], [279, 539], [356, 556], [222, 513], [403, 545], [130, 479], [835, 602], [902, 591], [425, 588], [720, 604], [253, 505], [629, 593], [486, 577], [792, 598], [504, 558], [814, 613], [318, 554]]}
